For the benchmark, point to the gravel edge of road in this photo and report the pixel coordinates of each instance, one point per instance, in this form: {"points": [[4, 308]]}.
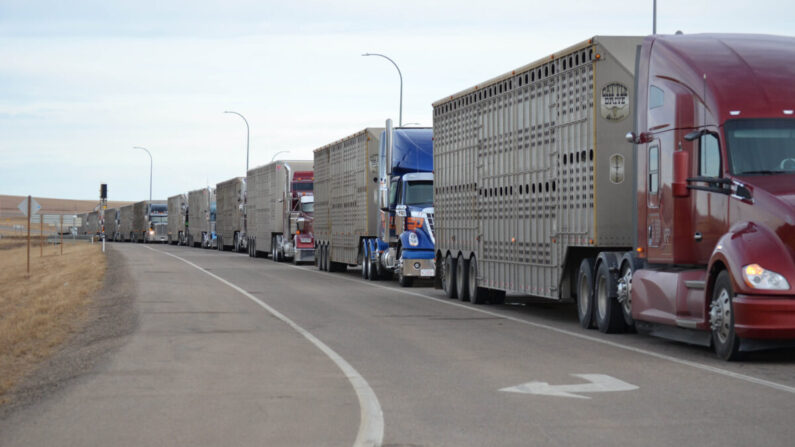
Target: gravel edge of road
{"points": [[112, 316]]}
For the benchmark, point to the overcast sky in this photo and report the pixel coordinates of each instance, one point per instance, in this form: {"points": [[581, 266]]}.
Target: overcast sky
{"points": [[82, 82]]}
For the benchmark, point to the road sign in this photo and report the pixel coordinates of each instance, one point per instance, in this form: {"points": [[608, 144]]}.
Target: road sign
{"points": [[34, 206], [599, 383]]}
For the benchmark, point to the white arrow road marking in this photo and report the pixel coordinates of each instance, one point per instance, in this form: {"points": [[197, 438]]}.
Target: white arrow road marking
{"points": [[600, 383]]}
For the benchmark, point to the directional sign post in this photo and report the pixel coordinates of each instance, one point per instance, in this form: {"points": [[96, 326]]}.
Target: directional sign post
{"points": [[598, 383]]}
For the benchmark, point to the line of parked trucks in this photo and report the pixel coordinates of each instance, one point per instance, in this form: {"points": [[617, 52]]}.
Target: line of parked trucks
{"points": [[649, 180]]}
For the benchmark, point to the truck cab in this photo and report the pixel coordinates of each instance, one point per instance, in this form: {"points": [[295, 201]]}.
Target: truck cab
{"points": [[405, 243], [715, 140], [157, 218]]}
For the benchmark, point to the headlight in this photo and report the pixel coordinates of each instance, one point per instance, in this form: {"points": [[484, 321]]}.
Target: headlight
{"points": [[758, 278], [413, 239], [151, 231]]}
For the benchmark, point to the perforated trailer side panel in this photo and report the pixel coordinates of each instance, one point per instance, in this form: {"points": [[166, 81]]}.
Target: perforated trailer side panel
{"points": [[515, 169], [176, 215], [346, 205], [199, 212], [229, 216]]}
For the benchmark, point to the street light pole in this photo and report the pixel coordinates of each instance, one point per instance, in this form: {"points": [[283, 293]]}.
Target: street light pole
{"points": [[150, 170], [277, 153], [247, 134], [400, 118]]}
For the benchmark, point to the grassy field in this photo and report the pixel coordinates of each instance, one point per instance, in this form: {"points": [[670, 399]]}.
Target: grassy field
{"points": [[38, 313]]}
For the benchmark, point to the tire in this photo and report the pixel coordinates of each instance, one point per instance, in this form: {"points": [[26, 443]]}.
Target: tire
{"points": [[274, 255], [365, 260], [448, 277], [220, 242], [624, 294], [721, 318], [609, 317], [462, 278], [585, 293], [477, 295], [404, 281], [374, 270]]}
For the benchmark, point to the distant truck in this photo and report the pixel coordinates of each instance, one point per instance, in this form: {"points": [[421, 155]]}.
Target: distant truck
{"points": [[126, 233], [374, 204], [201, 218], [230, 224], [279, 210], [92, 223], [110, 222], [178, 219], [687, 233]]}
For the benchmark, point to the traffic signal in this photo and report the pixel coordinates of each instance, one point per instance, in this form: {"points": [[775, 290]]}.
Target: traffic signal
{"points": [[103, 191]]}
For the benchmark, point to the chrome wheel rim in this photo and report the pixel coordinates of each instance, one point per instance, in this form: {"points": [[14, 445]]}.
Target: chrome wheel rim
{"points": [[625, 290], [720, 316]]}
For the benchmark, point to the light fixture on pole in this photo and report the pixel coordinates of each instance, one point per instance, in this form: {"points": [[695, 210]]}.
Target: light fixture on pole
{"points": [[247, 134], [150, 170], [400, 118], [277, 153]]}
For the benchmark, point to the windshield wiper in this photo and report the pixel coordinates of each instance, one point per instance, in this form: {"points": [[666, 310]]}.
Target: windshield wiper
{"points": [[762, 172]]}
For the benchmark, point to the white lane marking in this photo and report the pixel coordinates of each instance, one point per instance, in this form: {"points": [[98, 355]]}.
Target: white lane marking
{"points": [[696, 365], [371, 419], [598, 383]]}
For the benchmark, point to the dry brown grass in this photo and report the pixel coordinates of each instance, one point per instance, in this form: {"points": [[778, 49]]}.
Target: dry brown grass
{"points": [[37, 314]]}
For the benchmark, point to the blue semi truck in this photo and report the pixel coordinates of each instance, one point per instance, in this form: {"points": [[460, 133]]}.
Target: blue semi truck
{"points": [[374, 204]]}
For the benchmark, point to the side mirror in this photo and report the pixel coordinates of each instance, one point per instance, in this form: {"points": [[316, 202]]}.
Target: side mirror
{"points": [[643, 137]]}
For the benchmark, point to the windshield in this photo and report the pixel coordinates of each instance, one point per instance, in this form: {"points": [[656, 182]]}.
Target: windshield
{"points": [[761, 146], [302, 187], [308, 207], [419, 192], [159, 219]]}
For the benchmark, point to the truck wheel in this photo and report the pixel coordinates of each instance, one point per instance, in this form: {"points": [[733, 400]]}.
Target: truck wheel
{"points": [[365, 260], [324, 263], [220, 242], [624, 295], [609, 317], [462, 278], [273, 249], [721, 319], [585, 293], [476, 294], [403, 280], [374, 270], [448, 277]]}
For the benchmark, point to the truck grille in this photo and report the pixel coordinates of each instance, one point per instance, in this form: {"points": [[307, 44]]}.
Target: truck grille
{"points": [[161, 230]]}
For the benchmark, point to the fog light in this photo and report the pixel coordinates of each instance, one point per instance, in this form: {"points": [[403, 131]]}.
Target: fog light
{"points": [[417, 265]]}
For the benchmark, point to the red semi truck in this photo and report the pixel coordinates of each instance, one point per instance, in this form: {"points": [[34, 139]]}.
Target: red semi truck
{"points": [[687, 233]]}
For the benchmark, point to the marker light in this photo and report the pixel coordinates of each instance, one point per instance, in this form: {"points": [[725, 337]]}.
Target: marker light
{"points": [[734, 112], [758, 278], [413, 239], [787, 112]]}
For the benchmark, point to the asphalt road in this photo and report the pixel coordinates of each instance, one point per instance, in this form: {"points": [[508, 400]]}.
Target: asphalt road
{"points": [[238, 351]]}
